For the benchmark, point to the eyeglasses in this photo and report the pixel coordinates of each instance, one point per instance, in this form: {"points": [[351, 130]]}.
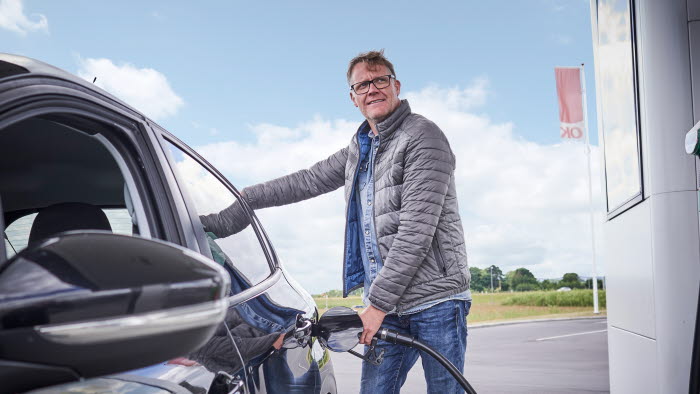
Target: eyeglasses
{"points": [[379, 83]]}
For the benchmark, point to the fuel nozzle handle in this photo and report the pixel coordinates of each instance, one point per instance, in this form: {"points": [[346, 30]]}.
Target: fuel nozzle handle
{"points": [[397, 338]]}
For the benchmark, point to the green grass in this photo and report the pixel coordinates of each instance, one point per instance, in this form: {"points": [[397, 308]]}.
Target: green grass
{"points": [[582, 298], [489, 298], [496, 307], [337, 301]]}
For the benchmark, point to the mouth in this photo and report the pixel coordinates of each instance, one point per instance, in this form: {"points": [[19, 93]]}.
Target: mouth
{"points": [[375, 102]]}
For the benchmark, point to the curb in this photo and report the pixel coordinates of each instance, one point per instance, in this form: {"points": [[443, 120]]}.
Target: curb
{"points": [[507, 323]]}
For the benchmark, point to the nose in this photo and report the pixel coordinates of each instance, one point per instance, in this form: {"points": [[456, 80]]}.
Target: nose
{"points": [[372, 89]]}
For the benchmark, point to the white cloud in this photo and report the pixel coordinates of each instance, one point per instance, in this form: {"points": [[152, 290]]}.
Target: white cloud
{"points": [[456, 99], [143, 88], [523, 204], [12, 18]]}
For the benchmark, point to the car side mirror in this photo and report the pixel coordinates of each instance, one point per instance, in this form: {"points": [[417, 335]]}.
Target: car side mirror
{"points": [[89, 303], [339, 329]]}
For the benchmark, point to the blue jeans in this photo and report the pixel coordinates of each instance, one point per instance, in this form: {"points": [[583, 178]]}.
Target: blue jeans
{"points": [[443, 327]]}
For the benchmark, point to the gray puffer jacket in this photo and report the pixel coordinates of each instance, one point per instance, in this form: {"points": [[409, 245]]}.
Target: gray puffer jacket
{"points": [[419, 230]]}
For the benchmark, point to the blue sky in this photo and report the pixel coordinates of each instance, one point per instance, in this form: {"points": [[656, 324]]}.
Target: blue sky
{"points": [[241, 63], [251, 83]]}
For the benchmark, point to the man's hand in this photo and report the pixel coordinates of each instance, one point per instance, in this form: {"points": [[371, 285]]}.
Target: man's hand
{"points": [[372, 319]]}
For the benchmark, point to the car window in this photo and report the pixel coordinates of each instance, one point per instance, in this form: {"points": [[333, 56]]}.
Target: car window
{"points": [[74, 176], [17, 234], [209, 195], [18, 231]]}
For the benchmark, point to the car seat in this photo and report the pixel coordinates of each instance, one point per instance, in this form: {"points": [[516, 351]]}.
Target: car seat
{"points": [[67, 216]]}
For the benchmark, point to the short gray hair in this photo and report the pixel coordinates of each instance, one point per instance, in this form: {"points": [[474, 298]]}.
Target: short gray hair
{"points": [[373, 59]]}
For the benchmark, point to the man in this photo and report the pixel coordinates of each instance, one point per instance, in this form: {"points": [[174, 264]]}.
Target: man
{"points": [[404, 240]]}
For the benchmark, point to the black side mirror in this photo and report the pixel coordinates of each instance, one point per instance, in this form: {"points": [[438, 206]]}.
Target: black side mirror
{"points": [[89, 303], [339, 329]]}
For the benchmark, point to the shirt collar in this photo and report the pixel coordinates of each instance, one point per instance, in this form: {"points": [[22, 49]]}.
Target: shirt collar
{"points": [[364, 128]]}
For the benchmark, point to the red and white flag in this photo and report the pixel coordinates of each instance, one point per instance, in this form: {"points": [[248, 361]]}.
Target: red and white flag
{"points": [[572, 125]]}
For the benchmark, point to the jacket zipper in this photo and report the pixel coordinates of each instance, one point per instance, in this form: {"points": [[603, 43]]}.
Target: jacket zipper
{"points": [[347, 223], [439, 256], [374, 199]]}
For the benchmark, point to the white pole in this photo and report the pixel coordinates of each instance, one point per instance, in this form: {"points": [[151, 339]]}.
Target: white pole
{"points": [[491, 268], [590, 191]]}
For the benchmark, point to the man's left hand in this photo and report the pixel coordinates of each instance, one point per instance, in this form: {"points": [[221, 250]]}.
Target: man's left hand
{"points": [[372, 319]]}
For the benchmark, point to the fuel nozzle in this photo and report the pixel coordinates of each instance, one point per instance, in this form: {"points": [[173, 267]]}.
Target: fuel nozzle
{"points": [[394, 337], [371, 355]]}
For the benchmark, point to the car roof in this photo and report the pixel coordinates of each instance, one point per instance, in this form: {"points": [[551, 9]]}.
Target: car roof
{"points": [[33, 66], [16, 66]]}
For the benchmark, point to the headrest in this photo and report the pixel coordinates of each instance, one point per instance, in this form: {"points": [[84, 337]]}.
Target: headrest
{"points": [[67, 216]]}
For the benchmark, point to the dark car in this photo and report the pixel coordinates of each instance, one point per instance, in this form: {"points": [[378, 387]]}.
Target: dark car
{"points": [[108, 282]]}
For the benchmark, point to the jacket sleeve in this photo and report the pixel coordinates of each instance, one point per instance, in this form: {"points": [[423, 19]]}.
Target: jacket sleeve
{"points": [[429, 164], [230, 221], [323, 177]]}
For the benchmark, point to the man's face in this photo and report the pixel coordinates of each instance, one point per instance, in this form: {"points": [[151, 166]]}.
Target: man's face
{"points": [[377, 104]]}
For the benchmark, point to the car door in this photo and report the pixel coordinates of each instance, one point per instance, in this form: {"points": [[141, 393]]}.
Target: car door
{"points": [[62, 146], [254, 267]]}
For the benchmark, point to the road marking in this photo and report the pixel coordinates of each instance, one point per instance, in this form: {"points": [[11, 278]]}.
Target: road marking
{"points": [[570, 335]]}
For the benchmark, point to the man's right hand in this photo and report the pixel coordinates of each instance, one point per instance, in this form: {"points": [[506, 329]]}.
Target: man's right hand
{"points": [[372, 319]]}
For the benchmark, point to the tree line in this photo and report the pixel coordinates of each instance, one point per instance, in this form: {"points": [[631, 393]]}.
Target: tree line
{"points": [[339, 293], [521, 279]]}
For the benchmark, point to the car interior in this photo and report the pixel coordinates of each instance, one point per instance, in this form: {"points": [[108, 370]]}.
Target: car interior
{"points": [[58, 176]]}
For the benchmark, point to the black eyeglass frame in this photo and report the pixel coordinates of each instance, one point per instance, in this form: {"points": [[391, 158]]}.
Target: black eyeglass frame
{"points": [[352, 87]]}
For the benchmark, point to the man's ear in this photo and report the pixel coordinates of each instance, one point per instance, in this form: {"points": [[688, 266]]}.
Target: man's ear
{"points": [[353, 98], [398, 86]]}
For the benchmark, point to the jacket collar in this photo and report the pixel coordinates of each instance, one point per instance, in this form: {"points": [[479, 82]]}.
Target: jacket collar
{"points": [[390, 124]]}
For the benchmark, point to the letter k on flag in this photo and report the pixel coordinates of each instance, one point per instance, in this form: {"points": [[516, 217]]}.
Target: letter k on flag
{"points": [[570, 95]]}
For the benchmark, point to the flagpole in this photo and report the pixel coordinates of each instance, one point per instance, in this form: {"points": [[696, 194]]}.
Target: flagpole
{"points": [[590, 192]]}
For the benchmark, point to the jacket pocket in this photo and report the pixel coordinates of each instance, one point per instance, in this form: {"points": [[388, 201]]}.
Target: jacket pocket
{"points": [[437, 252]]}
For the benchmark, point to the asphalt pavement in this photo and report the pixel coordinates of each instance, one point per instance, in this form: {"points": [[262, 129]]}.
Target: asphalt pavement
{"points": [[563, 356]]}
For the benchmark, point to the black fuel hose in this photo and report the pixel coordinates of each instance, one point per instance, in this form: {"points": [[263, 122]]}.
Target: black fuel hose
{"points": [[405, 340]]}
